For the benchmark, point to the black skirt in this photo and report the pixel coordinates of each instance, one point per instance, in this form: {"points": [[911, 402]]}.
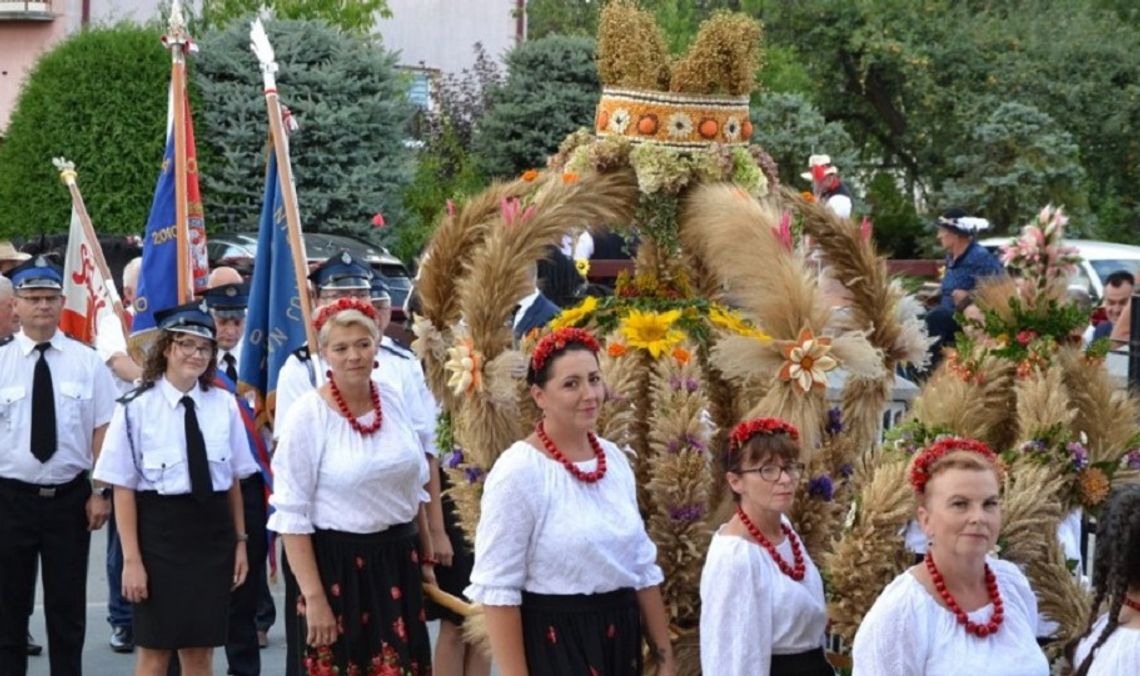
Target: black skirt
{"points": [[582, 634], [373, 585], [452, 579], [810, 663], [187, 547]]}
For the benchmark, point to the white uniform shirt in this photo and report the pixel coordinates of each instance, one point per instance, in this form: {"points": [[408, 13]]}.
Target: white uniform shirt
{"points": [[404, 376], [84, 399], [907, 633], [145, 447], [109, 341], [327, 475], [741, 586], [543, 531], [1119, 655], [236, 352]]}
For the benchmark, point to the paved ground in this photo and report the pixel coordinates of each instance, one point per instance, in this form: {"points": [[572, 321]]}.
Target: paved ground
{"points": [[99, 660]]}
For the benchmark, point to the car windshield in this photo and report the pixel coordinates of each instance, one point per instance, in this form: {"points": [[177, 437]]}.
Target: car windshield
{"points": [[1104, 268]]}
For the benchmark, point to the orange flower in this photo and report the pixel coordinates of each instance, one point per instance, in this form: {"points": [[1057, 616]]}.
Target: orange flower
{"points": [[529, 175], [615, 350], [569, 177], [681, 355], [808, 197]]}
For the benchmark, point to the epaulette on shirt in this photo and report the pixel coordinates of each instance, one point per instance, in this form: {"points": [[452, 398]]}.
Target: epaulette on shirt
{"points": [[302, 353], [396, 350], [134, 394]]}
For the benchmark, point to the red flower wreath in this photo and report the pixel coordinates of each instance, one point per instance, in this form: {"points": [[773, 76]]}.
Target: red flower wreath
{"points": [[558, 340], [920, 470], [334, 308], [750, 428]]}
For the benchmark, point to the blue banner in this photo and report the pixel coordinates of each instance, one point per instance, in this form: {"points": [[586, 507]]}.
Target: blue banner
{"points": [[274, 326], [158, 279]]}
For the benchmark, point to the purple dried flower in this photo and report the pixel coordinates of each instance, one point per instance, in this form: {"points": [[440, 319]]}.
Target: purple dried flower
{"points": [[834, 421], [692, 385], [696, 444], [473, 474], [846, 470], [1079, 454], [675, 382], [1034, 446], [1133, 459], [821, 487], [673, 445], [686, 513], [455, 459]]}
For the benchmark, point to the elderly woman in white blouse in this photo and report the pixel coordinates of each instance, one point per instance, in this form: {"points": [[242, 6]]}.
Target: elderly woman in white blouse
{"points": [[563, 566], [762, 606], [960, 611], [349, 480]]}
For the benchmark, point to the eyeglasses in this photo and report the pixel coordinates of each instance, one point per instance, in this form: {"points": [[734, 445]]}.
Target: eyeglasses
{"points": [[771, 473], [189, 348], [333, 294]]}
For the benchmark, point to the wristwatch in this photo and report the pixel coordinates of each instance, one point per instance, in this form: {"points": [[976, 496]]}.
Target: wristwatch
{"points": [[242, 537]]}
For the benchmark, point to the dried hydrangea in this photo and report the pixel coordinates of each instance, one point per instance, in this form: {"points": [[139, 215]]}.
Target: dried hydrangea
{"points": [[660, 169]]}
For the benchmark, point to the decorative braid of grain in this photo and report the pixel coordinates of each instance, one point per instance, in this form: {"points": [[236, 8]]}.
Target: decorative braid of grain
{"points": [[679, 482], [1032, 510], [1104, 413], [723, 396], [863, 402], [618, 414], [872, 552], [467, 478], [818, 521]]}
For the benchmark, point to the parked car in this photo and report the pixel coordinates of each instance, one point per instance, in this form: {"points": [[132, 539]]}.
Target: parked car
{"points": [[240, 249], [1100, 259]]}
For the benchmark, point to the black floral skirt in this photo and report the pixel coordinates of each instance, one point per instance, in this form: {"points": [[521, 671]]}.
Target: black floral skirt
{"points": [[373, 585], [582, 634], [452, 579]]}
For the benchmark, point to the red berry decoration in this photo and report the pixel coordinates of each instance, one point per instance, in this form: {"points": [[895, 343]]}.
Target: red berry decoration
{"points": [[1134, 605], [587, 477], [343, 407], [795, 571], [979, 630]]}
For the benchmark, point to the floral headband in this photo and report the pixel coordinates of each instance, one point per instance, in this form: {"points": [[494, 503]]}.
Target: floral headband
{"points": [[338, 306], [920, 470], [557, 341], [750, 428]]}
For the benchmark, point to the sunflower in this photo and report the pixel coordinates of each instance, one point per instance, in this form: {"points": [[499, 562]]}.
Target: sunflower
{"points": [[572, 316], [732, 322], [807, 361], [651, 331]]}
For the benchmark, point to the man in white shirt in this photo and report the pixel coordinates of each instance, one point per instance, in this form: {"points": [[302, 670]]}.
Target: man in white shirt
{"points": [[9, 323], [827, 187], [56, 398], [228, 304]]}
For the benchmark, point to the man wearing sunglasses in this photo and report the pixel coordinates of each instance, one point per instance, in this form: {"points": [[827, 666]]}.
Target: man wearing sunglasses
{"points": [[56, 398]]}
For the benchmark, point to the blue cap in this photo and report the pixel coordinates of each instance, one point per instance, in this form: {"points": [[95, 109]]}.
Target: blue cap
{"points": [[228, 300], [342, 271], [36, 273], [192, 318], [379, 290]]}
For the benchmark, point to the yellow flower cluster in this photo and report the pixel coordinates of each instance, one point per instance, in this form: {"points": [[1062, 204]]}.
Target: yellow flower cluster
{"points": [[653, 332], [733, 322]]}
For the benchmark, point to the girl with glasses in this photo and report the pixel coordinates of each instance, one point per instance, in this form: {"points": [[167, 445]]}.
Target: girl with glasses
{"points": [[762, 606], [174, 452]]}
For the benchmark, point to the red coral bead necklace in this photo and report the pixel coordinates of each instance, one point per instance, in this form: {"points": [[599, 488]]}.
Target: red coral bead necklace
{"points": [[796, 570], [1134, 605], [343, 406], [979, 630], [599, 453]]}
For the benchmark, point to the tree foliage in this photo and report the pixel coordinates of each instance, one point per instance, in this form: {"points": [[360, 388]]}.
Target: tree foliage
{"points": [[98, 98], [1012, 163], [790, 129], [351, 16], [551, 90], [350, 159]]}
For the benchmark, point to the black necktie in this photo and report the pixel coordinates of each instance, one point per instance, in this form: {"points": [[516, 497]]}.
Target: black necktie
{"points": [[43, 408], [231, 366], [200, 484]]}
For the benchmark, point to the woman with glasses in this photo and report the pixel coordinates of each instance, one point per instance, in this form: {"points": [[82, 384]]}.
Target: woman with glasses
{"points": [[762, 606], [173, 451], [566, 573]]}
